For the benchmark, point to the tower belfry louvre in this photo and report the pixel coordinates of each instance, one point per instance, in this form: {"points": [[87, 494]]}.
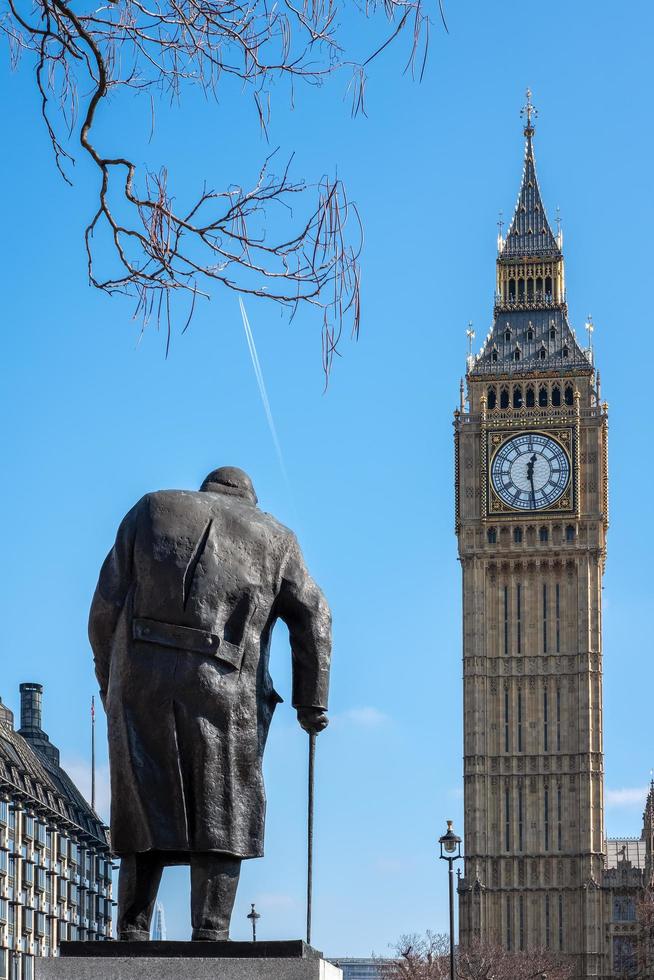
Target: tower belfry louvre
{"points": [[531, 522]]}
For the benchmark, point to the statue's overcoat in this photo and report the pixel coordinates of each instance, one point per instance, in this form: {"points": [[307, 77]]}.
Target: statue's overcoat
{"points": [[180, 626]]}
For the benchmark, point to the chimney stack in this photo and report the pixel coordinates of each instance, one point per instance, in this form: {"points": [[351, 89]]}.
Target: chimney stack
{"points": [[31, 697]]}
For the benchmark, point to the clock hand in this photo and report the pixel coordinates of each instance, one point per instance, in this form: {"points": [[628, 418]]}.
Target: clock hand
{"points": [[530, 477]]}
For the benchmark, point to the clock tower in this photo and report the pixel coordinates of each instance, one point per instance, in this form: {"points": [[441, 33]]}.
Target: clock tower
{"points": [[531, 522]]}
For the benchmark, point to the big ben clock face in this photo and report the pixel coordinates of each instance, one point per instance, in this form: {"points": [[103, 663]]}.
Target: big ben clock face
{"points": [[530, 471]]}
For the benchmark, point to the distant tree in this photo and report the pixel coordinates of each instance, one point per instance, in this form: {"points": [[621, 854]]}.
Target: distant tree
{"points": [[427, 958], [164, 242], [418, 958], [490, 961]]}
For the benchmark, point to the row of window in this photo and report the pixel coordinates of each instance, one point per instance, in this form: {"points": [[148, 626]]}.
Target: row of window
{"points": [[543, 534], [85, 860], [94, 907], [515, 820], [549, 743], [529, 288], [519, 941], [517, 397]]}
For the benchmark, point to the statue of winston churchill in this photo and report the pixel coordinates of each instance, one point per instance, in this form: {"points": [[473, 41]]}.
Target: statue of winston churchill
{"points": [[180, 627]]}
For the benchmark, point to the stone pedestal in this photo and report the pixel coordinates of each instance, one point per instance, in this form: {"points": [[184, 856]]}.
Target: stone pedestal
{"points": [[186, 961]]}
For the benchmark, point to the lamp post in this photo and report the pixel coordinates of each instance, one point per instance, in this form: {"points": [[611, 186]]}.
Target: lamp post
{"points": [[450, 852], [253, 916]]}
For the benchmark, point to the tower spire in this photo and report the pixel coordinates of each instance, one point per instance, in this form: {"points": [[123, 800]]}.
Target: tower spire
{"points": [[529, 233]]}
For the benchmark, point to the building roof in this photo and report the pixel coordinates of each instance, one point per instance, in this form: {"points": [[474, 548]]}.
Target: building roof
{"points": [[529, 332], [530, 233], [625, 852], [44, 786]]}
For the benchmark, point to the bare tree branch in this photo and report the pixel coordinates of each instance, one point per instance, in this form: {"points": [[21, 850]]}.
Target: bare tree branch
{"points": [[225, 237]]}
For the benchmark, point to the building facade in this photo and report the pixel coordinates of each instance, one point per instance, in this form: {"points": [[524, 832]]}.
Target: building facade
{"points": [[55, 863], [356, 968], [158, 931], [531, 520]]}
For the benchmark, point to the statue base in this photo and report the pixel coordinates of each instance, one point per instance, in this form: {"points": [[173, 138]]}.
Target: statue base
{"points": [[290, 960]]}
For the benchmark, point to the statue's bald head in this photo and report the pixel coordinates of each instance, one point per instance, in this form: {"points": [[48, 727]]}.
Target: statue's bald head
{"points": [[231, 480]]}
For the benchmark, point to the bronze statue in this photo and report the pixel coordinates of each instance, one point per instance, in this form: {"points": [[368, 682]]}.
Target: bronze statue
{"points": [[180, 626]]}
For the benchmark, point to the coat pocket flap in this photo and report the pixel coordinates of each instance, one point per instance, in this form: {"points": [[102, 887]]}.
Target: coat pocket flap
{"points": [[186, 638]]}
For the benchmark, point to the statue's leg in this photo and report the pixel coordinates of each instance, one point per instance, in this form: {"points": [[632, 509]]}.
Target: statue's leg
{"points": [[138, 883], [214, 880]]}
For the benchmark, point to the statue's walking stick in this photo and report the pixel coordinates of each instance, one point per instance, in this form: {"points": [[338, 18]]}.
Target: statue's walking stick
{"points": [[312, 759]]}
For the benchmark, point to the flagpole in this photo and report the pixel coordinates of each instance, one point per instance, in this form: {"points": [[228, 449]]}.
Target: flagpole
{"points": [[93, 752]]}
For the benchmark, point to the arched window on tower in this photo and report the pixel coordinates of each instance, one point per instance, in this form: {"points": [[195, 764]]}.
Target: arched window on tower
{"points": [[516, 354], [521, 289], [552, 331], [517, 535], [511, 290], [569, 533], [491, 398], [544, 535], [556, 396], [530, 332], [491, 534], [530, 288], [566, 350], [539, 288], [517, 396], [531, 399], [542, 396], [494, 354], [542, 353], [548, 287], [504, 397], [569, 395], [507, 333]]}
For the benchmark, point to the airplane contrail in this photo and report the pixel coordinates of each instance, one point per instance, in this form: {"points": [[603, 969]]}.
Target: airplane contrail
{"points": [[262, 390]]}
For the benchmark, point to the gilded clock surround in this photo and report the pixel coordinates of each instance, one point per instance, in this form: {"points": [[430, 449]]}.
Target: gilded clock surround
{"points": [[496, 438]]}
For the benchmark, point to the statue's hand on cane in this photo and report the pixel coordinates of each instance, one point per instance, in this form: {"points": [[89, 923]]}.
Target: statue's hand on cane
{"points": [[312, 720]]}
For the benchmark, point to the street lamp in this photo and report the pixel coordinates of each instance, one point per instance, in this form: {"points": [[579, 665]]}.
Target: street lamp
{"points": [[253, 916], [450, 852]]}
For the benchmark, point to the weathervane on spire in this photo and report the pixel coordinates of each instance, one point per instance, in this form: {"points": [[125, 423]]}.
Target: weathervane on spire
{"points": [[529, 110]]}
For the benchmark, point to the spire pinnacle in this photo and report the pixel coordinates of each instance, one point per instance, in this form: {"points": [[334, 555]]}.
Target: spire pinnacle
{"points": [[528, 112]]}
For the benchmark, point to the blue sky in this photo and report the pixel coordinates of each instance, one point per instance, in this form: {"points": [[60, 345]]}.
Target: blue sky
{"points": [[91, 420]]}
